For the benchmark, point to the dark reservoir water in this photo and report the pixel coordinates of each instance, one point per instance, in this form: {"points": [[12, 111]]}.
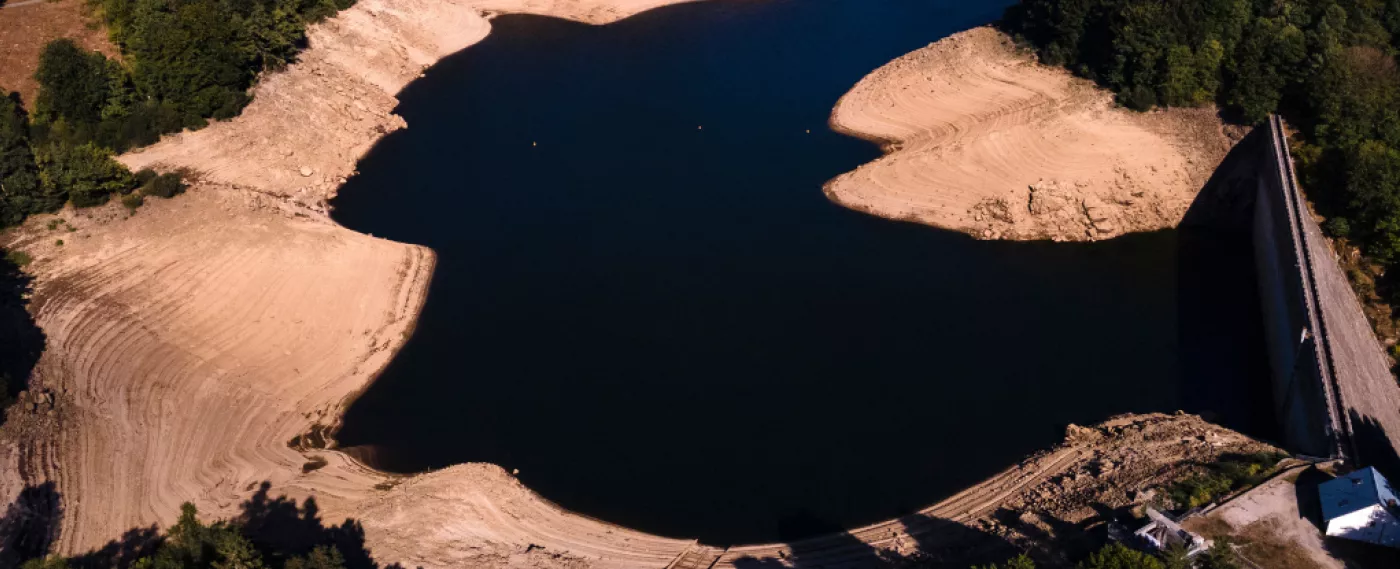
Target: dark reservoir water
{"points": [[671, 328]]}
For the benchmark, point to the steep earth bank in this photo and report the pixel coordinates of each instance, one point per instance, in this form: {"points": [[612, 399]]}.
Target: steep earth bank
{"points": [[982, 139]]}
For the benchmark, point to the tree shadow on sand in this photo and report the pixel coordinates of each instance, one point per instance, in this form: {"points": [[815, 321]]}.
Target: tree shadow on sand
{"points": [[21, 340], [279, 528], [30, 524], [927, 542]]}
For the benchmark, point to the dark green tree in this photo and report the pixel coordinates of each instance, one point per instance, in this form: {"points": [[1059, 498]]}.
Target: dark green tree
{"points": [[322, 557], [50, 562], [19, 175], [1019, 562], [1119, 556], [75, 84], [1374, 186]]}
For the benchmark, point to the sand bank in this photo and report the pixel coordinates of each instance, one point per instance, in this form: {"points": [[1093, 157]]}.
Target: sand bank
{"points": [[982, 139]]}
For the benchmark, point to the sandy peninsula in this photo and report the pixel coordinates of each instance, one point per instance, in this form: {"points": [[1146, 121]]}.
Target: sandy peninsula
{"points": [[982, 139], [189, 343]]}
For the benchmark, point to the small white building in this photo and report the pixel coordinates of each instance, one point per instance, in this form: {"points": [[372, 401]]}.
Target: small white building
{"points": [[1162, 533], [1361, 506]]}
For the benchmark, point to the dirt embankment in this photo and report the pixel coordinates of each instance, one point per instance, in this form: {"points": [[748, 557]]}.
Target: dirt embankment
{"points": [[982, 139]]}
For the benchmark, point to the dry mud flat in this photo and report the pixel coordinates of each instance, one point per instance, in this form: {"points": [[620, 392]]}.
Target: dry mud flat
{"points": [[980, 138]]}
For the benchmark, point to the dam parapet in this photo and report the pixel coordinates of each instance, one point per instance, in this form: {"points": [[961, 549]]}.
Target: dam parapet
{"points": [[1304, 386], [1333, 391]]}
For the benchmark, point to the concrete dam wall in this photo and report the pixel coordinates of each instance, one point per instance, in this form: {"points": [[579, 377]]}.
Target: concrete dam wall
{"points": [[1303, 383], [1333, 392]]}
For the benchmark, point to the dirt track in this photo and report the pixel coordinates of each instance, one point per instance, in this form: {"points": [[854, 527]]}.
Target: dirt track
{"points": [[982, 139]]}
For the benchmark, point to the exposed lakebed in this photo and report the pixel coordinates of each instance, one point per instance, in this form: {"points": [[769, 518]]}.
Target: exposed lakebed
{"points": [[644, 302]]}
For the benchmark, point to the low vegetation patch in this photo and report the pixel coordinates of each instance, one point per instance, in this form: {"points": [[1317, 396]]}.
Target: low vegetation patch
{"points": [[18, 258], [1230, 473], [1221, 555], [183, 64]]}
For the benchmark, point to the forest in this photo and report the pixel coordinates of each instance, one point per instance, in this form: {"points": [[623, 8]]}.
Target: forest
{"points": [[1327, 66], [183, 63]]}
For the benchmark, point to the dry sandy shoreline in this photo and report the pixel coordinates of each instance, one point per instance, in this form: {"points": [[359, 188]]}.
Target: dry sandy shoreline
{"points": [[188, 344], [982, 139]]}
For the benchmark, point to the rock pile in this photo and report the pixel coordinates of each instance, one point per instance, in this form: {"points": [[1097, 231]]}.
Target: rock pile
{"points": [[36, 402]]}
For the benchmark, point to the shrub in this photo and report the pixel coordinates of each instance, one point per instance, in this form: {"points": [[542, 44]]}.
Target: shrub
{"points": [[165, 186], [86, 173], [1337, 227], [144, 176], [1119, 556], [1230, 473], [19, 258], [1221, 555], [133, 200], [1018, 562]]}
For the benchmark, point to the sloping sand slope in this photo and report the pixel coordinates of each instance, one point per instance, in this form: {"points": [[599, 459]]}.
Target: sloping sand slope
{"points": [[984, 140]]}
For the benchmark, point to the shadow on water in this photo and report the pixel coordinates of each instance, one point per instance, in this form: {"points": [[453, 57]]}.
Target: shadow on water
{"points": [[1225, 373], [640, 284], [21, 340]]}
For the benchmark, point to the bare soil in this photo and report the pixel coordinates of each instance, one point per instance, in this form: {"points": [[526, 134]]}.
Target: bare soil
{"points": [[982, 139]]}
